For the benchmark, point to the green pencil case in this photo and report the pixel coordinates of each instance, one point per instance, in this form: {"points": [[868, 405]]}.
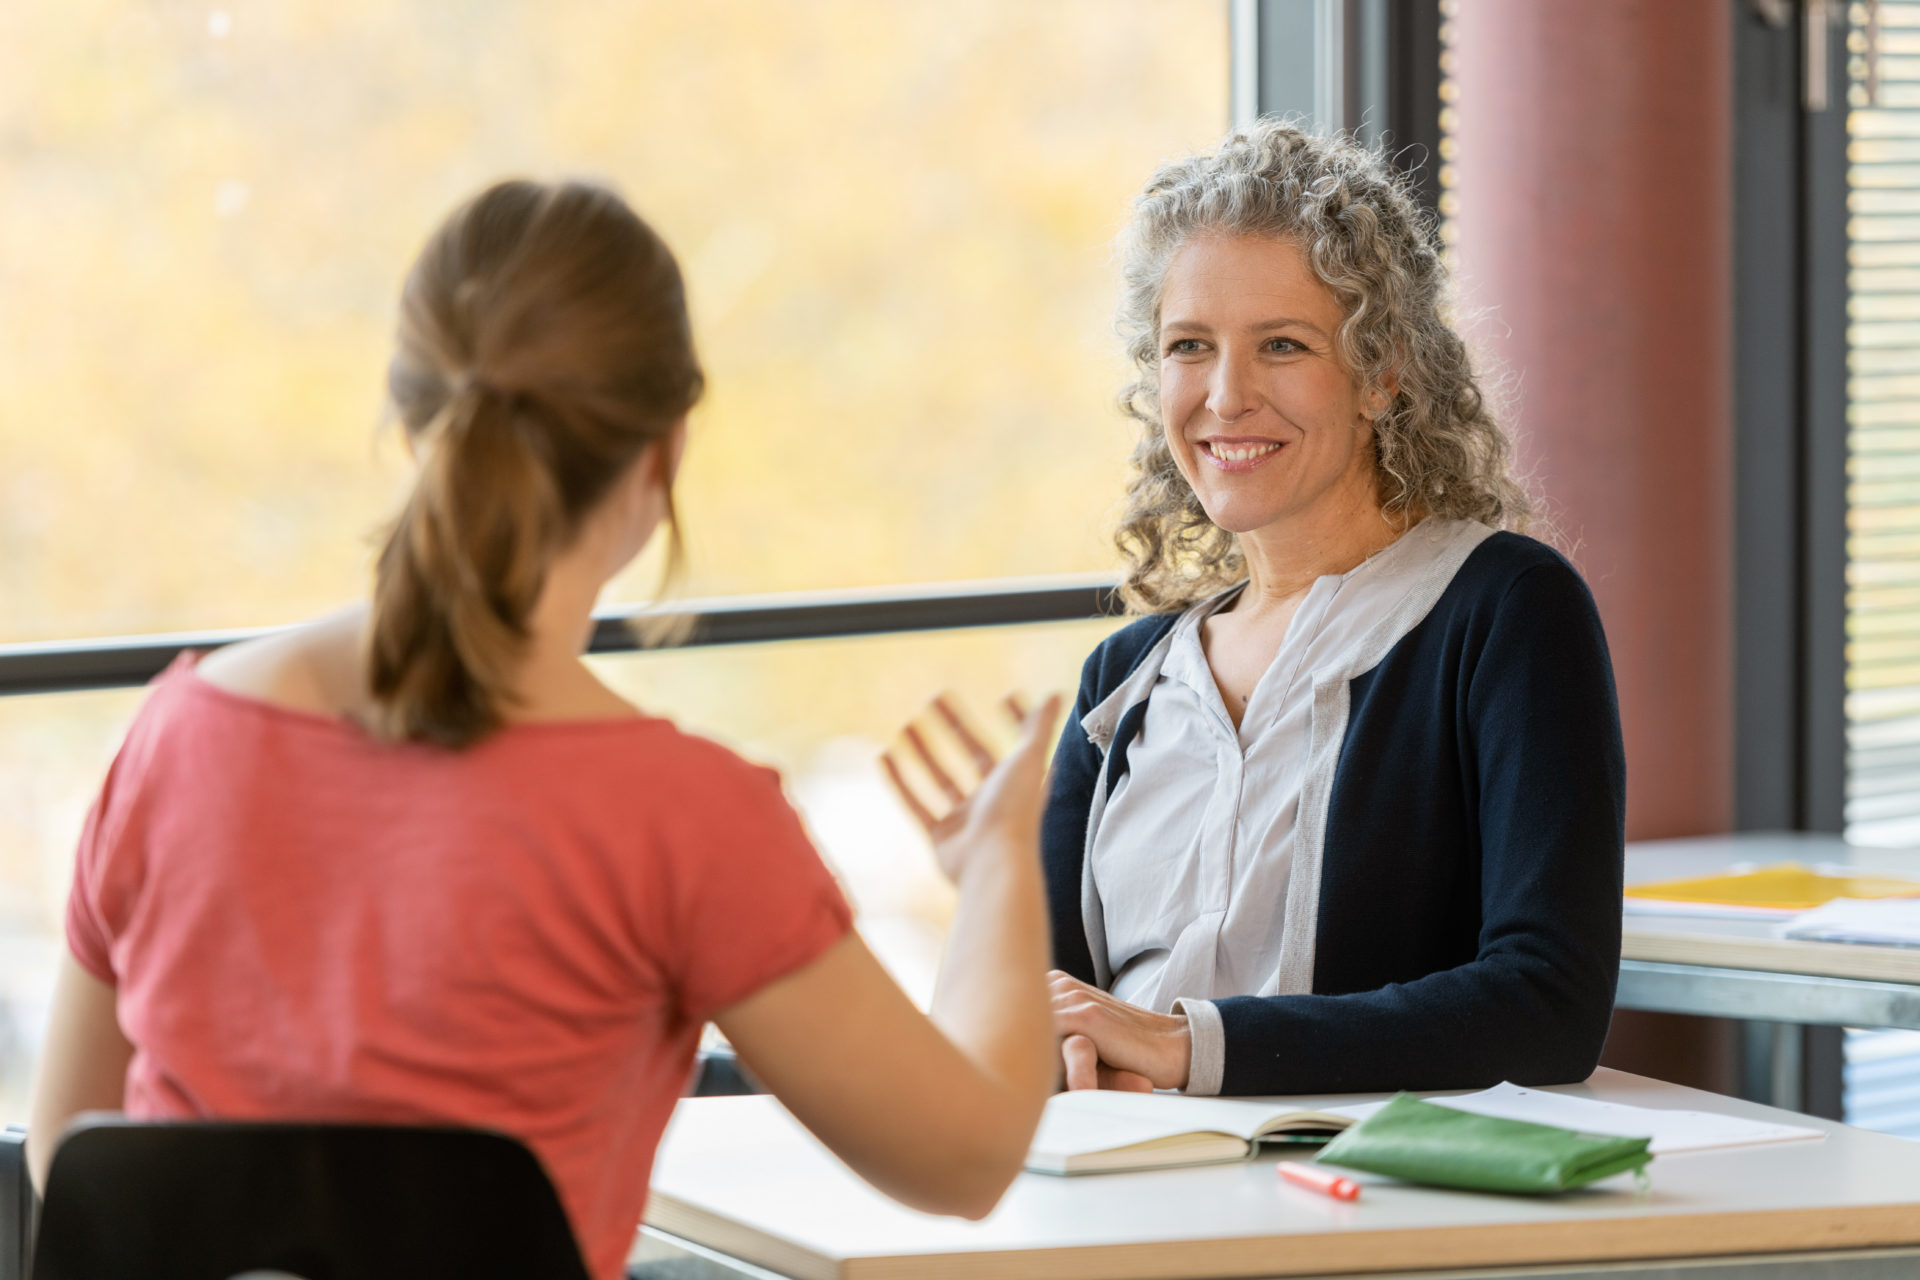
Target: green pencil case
{"points": [[1441, 1147]]}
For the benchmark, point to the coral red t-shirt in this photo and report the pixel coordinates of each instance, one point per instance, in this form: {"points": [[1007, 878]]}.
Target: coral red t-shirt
{"points": [[527, 935]]}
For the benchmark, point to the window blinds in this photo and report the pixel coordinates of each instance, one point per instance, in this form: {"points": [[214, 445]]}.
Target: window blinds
{"points": [[1883, 389]]}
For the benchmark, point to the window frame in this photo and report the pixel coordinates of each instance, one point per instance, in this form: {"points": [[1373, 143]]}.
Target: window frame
{"points": [[117, 662], [1369, 66], [1790, 431]]}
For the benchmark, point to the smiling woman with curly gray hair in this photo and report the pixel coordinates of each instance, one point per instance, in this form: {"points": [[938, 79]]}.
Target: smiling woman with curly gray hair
{"points": [[1345, 811], [1437, 449]]}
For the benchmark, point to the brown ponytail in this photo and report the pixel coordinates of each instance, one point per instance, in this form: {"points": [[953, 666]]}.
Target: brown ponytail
{"points": [[543, 346]]}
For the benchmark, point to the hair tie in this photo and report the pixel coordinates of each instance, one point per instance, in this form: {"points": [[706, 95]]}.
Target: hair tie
{"points": [[474, 384], [461, 409]]}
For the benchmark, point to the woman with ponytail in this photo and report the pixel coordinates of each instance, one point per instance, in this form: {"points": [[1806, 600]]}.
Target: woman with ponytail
{"points": [[415, 863]]}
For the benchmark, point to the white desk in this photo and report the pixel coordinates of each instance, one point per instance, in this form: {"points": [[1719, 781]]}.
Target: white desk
{"points": [[740, 1190]]}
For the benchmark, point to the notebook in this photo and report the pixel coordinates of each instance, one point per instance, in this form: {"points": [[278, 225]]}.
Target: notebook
{"points": [[1774, 892], [1101, 1131]]}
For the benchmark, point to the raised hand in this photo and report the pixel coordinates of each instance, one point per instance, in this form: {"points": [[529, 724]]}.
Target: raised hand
{"points": [[1003, 801]]}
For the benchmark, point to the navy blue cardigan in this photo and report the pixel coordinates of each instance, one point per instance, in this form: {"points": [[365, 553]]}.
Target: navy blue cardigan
{"points": [[1469, 923]]}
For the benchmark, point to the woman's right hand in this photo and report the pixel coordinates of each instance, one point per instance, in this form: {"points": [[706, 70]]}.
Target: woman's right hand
{"points": [[1003, 809], [936, 1110]]}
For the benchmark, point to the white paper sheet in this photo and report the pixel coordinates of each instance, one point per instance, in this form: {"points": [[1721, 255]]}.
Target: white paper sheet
{"points": [[1673, 1132], [1887, 922], [1710, 910]]}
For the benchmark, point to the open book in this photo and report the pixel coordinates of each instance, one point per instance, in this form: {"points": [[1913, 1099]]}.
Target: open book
{"points": [[1103, 1132], [1100, 1131]]}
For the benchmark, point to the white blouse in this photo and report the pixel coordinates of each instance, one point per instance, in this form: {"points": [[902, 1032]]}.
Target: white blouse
{"points": [[1192, 858]]}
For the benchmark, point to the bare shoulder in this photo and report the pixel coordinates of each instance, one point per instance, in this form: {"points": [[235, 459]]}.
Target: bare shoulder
{"points": [[315, 667]]}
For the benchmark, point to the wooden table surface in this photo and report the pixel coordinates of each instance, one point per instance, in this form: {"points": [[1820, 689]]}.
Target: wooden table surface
{"points": [[738, 1176]]}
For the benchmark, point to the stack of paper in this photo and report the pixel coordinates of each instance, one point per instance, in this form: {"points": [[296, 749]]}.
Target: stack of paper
{"points": [[1887, 922], [1672, 1132]]}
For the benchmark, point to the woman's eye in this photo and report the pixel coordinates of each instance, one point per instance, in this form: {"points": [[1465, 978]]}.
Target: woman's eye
{"points": [[1183, 346], [1283, 346]]}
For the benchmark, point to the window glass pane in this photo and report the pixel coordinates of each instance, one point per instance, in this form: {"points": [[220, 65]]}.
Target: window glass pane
{"points": [[820, 711], [895, 220], [54, 750]]}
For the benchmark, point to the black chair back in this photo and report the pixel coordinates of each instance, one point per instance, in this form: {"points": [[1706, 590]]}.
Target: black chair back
{"points": [[16, 1204], [209, 1201]]}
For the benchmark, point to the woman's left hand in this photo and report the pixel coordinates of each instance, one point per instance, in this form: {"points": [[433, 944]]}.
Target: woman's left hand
{"points": [[1125, 1037]]}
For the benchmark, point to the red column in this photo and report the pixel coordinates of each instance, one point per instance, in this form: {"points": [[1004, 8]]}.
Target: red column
{"points": [[1593, 171]]}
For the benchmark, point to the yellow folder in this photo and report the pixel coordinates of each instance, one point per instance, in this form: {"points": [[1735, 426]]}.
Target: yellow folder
{"points": [[1787, 886]]}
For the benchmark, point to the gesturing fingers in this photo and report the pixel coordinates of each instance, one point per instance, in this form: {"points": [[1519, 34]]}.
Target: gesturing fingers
{"points": [[977, 750], [922, 814], [940, 776], [998, 809], [919, 758]]}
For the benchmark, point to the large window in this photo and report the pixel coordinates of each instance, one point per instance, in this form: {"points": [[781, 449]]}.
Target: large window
{"points": [[896, 222]]}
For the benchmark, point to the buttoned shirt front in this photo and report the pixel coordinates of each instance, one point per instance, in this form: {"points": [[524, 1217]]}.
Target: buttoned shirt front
{"points": [[1192, 860]]}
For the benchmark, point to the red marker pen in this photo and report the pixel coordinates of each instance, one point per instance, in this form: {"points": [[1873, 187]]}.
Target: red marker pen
{"points": [[1303, 1173]]}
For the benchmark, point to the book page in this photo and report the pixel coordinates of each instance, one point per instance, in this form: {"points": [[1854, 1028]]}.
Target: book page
{"points": [[1171, 1113], [1146, 1129]]}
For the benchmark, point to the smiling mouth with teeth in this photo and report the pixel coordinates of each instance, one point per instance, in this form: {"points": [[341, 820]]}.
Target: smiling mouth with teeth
{"points": [[1238, 455]]}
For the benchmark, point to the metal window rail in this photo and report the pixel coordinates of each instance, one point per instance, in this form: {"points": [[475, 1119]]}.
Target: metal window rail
{"points": [[118, 662]]}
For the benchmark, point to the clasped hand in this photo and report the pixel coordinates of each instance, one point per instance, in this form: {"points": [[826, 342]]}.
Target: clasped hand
{"points": [[1107, 1043]]}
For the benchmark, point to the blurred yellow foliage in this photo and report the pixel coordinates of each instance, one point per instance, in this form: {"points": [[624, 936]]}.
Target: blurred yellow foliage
{"points": [[895, 217]]}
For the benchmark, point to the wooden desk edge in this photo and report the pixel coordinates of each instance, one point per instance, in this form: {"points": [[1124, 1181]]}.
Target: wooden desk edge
{"points": [[704, 1227], [1612, 1239], [1779, 955]]}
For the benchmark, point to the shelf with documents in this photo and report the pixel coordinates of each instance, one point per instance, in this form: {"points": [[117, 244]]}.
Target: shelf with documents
{"points": [[1738, 969]]}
